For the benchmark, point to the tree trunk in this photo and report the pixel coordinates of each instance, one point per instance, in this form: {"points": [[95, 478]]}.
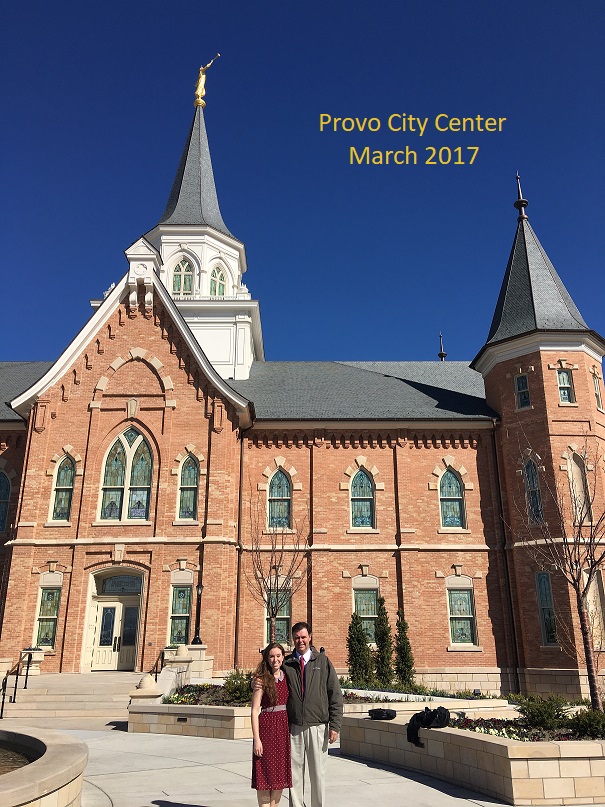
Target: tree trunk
{"points": [[593, 684], [272, 621]]}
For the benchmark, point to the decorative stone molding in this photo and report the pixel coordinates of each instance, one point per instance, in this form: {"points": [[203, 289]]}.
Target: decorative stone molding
{"points": [[280, 462], [361, 462], [450, 462], [68, 450], [7, 469]]}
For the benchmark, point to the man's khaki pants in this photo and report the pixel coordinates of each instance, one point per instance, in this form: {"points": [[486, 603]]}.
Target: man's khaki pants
{"points": [[309, 747]]}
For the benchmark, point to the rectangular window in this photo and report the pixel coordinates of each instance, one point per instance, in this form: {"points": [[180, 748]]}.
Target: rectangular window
{"points": [[366, 606], [180, 616], [597, 391], [47, 617], [462, 616], [566, 391], [546, 609], [282, 622], [522, 392]]}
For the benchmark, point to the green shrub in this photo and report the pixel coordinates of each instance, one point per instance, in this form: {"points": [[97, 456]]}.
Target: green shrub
{"points": [[588, 723], [404, 658], [544, 713], [238, 686], [361, 669], [384, 647]]}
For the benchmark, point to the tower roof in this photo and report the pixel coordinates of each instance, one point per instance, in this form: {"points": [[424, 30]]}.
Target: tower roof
{"points": [[532, 297], [193, 200]]}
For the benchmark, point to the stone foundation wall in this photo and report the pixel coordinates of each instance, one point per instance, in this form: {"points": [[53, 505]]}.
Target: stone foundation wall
{"points": [[490, 680]]}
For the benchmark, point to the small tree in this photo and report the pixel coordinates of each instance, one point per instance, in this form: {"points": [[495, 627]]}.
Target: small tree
{"points": [[361, 668], [404, 658], [277, 556], [384, 645]]}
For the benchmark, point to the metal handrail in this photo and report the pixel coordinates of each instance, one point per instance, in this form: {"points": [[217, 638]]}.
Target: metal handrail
{"points": [[158, 666], [16, 670]]}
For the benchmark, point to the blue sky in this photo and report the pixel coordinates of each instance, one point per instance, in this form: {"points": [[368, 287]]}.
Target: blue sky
{"points": [[347, 261]]}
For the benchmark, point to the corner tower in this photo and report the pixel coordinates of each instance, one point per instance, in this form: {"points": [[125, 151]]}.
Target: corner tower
{"points": [[201, 263], [542, 368]]}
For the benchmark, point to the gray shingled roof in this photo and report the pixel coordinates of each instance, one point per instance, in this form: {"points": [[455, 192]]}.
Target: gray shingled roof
{"points": [[15, 378], [365, 391], [193, 199], [532, 296]]}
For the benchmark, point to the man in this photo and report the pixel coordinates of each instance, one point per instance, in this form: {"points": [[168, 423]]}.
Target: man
{"points": [[314, 714]]}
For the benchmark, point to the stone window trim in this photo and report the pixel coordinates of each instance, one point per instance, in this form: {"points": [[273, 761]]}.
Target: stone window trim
{"points": [[181, 577], [362, 464], [51, 583], [564, 371], [283, 620], [596, 381], [135, 354], [366, 582], [217, 269], [9, 474], [280, 464], [533, 493], [546, 612], [522, 392], [58, 459], [462, 583]]}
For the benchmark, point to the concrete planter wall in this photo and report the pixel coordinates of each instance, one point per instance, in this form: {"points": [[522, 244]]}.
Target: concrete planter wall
{"points": [[54, 779], [233, 723], [519, 773]]}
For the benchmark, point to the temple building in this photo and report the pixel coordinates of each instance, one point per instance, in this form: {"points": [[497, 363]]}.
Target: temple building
{"points": [[147, 471]]}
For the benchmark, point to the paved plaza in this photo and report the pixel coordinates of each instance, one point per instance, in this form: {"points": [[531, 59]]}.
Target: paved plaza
{"points": [[146, 770]]}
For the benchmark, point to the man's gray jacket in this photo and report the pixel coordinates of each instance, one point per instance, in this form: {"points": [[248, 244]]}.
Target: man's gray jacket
{"points": [[322, 700]]}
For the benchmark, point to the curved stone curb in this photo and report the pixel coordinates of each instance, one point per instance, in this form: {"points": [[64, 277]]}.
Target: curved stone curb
{"points": [[59, 768]]}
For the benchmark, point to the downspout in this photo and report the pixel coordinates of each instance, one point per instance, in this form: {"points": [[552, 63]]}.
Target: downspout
{"points": [[507, 577], [398, 568]]}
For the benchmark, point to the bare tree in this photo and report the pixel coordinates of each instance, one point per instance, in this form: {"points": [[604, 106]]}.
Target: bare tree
{"points": [[278, 562], [564, 532]]}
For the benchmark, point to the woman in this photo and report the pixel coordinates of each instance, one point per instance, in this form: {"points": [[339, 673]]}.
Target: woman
{"points": [[271, 770]]}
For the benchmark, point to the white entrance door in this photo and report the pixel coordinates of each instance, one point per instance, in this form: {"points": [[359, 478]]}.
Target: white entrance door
{"points": [[115, 641]]}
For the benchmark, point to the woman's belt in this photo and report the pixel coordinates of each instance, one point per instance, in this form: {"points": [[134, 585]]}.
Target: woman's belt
{"points": [[280, 708]]}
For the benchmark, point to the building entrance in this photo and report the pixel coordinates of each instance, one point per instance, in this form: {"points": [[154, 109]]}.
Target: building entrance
{"points": [[114, 623]]}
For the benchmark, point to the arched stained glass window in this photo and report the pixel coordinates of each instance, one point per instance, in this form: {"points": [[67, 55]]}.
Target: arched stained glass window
{"points": [[280, 500], [362, 500], [129, 459], [5, 491], [532, 492], [182, 278], [190, 471], [451, 500], [64, 486], [217, 282]]}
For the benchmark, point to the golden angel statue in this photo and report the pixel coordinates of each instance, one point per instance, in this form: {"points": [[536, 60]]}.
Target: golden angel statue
{"points": [[200, 87]]}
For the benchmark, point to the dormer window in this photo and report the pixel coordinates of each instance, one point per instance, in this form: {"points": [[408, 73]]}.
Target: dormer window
{"points": [[182, 278], [217, 282], [566, 390], [522, 392]]}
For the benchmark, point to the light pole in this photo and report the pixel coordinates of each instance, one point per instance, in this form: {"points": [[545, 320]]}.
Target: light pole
{"points": [[196, 639]]}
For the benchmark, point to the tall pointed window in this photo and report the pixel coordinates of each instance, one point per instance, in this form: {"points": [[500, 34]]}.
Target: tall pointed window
{"points": [[5, 490], [362, 500], [64, 487], [280, 500], [522, 397], [190, 474], [546, 610], [217, 282], [182, 278], [127, 478], [532, 492], [578, 486], [597, 390], [451, 500], [461, 610]]}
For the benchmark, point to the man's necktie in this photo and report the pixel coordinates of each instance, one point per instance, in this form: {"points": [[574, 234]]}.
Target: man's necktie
{"points": [[302, 674]]}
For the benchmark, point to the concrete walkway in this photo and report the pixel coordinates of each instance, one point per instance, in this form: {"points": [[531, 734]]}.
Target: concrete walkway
{"points": [[147, 770]]}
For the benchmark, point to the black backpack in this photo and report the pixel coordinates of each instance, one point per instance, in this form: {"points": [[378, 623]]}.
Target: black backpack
{"points": [[429, 719]]}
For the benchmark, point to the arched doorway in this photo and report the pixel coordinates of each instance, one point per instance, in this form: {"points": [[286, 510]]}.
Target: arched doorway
{"points": [[114, 619]]}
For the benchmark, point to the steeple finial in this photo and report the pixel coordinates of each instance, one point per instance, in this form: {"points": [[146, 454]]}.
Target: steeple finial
{"points": [[442, 354], [521, 203], [200, 87]]}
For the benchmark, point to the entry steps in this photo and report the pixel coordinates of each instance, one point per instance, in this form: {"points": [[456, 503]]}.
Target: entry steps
{"points": [[60, 695]]}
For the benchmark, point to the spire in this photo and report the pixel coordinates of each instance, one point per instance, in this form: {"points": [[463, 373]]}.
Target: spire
{"points": [[442, 354], [193, 200], [532, 297]]}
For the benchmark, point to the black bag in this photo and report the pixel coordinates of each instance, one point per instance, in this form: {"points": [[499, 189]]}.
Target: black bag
{"points": [[429, 719], [382, 714]]}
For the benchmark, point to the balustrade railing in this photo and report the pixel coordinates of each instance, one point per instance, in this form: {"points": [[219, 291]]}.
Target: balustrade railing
{"points": [[25, 657]]}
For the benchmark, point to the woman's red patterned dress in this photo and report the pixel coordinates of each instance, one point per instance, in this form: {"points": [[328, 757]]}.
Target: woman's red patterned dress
{"points": [[273, 770]]}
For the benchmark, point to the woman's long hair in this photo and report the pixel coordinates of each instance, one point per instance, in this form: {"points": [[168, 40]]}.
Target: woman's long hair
{"points": [[264, 673]]}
